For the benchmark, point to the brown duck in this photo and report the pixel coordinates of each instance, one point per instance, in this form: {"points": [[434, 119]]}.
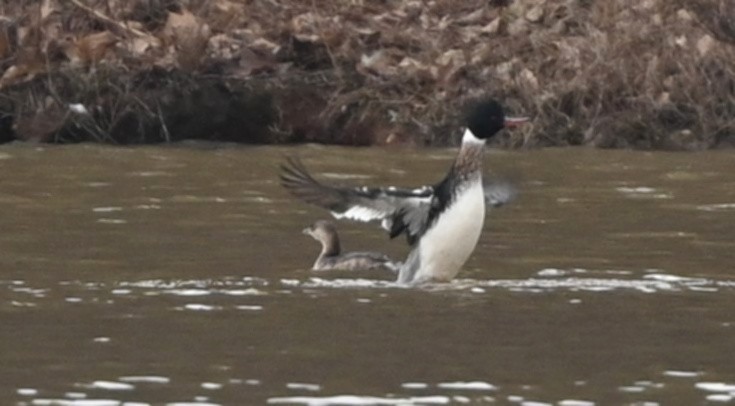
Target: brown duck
{"points": [[331, 257]]}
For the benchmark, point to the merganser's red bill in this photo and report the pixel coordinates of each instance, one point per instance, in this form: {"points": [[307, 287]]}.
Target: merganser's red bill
{"points": [[511, 122]]}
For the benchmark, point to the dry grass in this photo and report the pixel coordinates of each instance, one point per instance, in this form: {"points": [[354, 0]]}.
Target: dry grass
{"points": [[612, 73]]}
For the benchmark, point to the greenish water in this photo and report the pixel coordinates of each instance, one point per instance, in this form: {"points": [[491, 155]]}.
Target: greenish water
{"points": [[157, 275]]}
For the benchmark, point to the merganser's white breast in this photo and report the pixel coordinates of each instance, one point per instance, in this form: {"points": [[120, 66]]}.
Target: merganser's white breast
{"points": [[446, 246]]}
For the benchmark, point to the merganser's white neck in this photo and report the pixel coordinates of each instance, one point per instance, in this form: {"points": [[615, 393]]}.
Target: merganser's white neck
{"points": [[469, 159], [469, 138]]}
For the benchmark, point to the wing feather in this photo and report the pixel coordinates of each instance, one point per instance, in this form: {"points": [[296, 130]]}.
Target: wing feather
{"points": [[399, 210]]}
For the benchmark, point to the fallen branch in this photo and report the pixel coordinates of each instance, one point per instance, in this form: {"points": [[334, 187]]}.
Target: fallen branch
{"points": [[98, 15]]}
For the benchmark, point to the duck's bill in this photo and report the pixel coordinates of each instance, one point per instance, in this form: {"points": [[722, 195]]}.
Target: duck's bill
{"points": [[307, 230], [511, 122]]}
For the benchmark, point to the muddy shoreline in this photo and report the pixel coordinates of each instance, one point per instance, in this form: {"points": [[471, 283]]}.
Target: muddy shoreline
{"points": [[617, 74]]}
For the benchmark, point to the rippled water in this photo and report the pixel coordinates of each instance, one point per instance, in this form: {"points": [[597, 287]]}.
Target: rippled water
{"points": [[178, 276]]}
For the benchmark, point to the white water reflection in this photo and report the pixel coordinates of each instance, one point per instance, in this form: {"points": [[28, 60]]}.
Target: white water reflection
{"points": [[108, 209], [713, 392], [107, 385], [197, 403], [312, 387], [354, 400], [414, 385], [716, 207], [682, 374], [716, 387], [575, 402], [644, 192], [146, 379], [199, 307], [551, 279], [83, 402], [647, 283], [475, 385]]}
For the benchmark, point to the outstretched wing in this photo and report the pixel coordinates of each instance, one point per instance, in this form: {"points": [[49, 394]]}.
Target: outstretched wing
{"points": [[399, 210]]}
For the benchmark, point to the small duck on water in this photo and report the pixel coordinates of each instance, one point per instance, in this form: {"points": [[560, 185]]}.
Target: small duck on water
{"points": [[331, 257]]}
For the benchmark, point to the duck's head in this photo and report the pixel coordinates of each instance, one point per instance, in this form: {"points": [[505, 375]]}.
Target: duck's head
{"points": [[321, 230], [486, 118]]}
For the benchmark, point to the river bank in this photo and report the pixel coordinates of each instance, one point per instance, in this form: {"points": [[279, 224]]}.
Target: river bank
{"points": [[650, 74]]}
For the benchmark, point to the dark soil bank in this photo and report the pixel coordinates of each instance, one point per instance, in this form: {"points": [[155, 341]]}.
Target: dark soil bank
{"points": [[612, 73]]}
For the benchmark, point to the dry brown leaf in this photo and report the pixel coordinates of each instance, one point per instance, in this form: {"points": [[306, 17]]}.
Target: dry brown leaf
{"points": [[443, 24], [49, 7], [528, 79], [453, 57], [134, 26], [181, 26], [475, 17], [253, 64], [92, 48], [307, 27], [222, 47], [224, 14], [517, 27], [382, 62], [12, 75], [504, 70], [451, 63], [237, 59], [493, 27], [262, 44], [569, 53], [19, 74], [189, 36], [684, 15], [705, 44], [139, 46], [305, 22], [412, 68], [29, 63], [388, 18], [535, 14], [366, 31]]}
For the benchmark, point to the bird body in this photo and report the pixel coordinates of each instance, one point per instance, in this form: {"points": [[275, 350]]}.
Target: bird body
{"points": [[331, 257], [442, 223], [446, 246]]}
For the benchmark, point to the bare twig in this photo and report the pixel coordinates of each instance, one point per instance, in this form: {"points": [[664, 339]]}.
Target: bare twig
{"points": [[100, 16], [164, 127]]}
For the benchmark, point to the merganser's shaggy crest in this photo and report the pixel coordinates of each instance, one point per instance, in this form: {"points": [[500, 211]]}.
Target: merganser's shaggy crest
{"points": [[442, 222], [331, 259]]}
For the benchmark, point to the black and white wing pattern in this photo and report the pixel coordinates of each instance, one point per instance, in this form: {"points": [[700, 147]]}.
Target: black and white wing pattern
{"points": [[399, 210]]}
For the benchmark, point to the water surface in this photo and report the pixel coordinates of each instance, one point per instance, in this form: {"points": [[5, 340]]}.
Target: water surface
{"points": [[178, 275]]}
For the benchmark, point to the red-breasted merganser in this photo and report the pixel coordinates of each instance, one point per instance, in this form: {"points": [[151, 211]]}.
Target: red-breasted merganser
{"points": [[442, 222], [332, 259]]}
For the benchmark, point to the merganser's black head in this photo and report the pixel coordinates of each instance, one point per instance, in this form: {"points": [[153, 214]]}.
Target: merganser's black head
{"points": [[486, 118]]}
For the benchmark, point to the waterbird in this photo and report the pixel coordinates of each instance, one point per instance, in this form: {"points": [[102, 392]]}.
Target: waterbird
{"points": [[442, 222], [331, 257]]}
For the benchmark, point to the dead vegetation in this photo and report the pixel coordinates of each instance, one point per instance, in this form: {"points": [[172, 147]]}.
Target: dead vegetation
{"points": [[613, 73]]}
